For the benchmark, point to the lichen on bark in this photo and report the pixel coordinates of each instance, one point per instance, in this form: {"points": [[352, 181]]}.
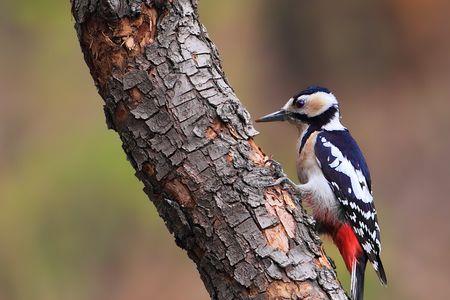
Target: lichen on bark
{"points": [[191, 143]]}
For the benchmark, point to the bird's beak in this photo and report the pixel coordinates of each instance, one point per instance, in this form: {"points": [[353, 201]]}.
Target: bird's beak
{"points": [[280, 115]]}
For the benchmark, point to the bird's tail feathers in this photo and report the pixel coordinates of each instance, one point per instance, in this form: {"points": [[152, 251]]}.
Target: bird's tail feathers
{"points": [[357, 278], [379, 269]]}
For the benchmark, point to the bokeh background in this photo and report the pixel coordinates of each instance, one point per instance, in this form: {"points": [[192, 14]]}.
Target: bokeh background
{"points": [[74, 223]]}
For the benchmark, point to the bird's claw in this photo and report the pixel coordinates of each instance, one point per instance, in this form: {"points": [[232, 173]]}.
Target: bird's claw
{"points": [[291, 185], [278, 181], [276, 167]]}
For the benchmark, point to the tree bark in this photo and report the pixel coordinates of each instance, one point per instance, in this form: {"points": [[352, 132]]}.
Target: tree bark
{"points": [[190, 141]]}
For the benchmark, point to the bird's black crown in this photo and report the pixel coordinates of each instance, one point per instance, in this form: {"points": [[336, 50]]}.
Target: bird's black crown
{"points": [[311, 90]]}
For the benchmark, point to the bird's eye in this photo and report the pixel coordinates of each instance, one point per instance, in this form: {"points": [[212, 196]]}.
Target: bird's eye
{"points": [[299, 103]]}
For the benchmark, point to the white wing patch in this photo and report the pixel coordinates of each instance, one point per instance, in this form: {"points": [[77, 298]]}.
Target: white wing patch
{"points": [[343, 165]]}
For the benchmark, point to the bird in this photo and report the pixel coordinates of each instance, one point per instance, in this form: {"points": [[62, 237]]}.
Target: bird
{"points": [[334, 181]]}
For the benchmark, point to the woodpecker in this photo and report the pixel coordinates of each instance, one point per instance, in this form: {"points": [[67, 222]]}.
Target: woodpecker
{"points": [[334, 181]]}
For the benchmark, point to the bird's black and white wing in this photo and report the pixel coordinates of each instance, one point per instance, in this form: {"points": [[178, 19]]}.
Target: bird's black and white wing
{"points": [[345, 169]]}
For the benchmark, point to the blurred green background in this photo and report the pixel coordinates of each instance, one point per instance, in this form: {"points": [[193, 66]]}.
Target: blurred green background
{"points": [[74, 223]]}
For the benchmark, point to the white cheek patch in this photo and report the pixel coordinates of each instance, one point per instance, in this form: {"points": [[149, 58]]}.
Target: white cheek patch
{"points": [[319, 102]]}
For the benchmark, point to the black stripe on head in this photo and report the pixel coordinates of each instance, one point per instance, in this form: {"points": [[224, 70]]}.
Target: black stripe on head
{"points": [[311, 90], [317, 121]]}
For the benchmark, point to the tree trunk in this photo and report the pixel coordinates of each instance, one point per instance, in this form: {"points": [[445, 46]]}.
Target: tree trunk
{"points": [[190, 142]]}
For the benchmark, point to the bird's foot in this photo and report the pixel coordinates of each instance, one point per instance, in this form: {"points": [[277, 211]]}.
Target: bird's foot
{"points": [[276, 166], [281, 180], [294, 188]]}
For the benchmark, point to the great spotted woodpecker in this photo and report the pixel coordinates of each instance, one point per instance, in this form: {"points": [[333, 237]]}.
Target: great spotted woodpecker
{"points": [[334, 181]]}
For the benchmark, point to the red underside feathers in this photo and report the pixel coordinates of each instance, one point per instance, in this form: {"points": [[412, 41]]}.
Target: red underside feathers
{"points": [[348, 244]]}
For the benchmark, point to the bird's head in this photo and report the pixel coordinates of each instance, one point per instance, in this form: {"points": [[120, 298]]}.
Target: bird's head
{"points": [[313, 106]]}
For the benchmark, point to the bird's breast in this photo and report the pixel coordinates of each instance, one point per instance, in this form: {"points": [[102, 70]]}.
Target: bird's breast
{"points": [[306, 159], [320, 196]]}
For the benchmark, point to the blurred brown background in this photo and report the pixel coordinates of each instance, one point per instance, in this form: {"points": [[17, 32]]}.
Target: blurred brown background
{"points": [[74, 223]]}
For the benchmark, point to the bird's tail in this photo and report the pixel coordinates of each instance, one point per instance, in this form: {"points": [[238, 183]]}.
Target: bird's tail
{"points": [[379, 269], [357, 277]]}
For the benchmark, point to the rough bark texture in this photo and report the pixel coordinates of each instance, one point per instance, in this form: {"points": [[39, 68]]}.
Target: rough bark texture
{"points": [[190, 142]]}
